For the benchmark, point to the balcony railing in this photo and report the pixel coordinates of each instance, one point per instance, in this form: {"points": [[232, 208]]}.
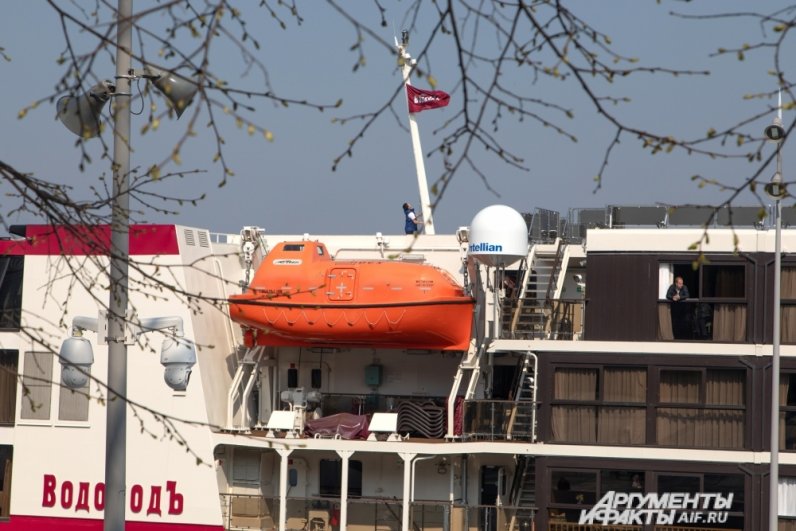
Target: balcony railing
{"points": [[243, 512]]}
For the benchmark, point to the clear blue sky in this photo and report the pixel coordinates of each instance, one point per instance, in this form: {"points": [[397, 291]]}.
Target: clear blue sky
{"points": [[287, 186]]}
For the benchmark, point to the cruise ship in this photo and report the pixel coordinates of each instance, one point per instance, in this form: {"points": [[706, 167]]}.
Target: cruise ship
{"points": [[581, 399]]}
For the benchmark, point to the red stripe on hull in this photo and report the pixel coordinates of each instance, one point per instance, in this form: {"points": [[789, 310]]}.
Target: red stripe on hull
{"points": [[43, 240], [43, 523]]}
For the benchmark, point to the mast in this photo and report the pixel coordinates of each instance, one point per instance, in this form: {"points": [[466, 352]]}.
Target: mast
{"points": [[420, 168]]}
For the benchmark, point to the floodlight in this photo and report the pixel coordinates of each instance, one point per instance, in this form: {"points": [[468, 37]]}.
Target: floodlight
{"points": [[776, 188], [177, 89], [82, 114]]}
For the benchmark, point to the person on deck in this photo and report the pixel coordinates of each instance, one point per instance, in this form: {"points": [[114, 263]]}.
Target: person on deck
{"points": [[412, 222], [678, 291], [681, 318]]}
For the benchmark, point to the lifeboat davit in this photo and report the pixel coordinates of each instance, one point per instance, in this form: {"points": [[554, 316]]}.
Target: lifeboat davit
{"points": [[301, 296]]}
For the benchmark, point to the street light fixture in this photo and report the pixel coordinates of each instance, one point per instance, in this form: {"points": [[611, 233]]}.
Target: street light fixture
{"points": [[776, 189], [81, 116]]}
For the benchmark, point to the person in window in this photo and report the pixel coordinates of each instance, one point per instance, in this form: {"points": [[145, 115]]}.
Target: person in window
{"points": [[678, 291], [412, 222], [681, 320]]}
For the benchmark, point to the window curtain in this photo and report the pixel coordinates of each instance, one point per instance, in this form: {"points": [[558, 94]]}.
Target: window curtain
{"points": [[729, 323], [788, 313], [665, 322], [623, 424], [787, 420], [723, 428], [8, 387], [575, 423], [787, 499], [703, 426], [37, 380], [73, 403]]}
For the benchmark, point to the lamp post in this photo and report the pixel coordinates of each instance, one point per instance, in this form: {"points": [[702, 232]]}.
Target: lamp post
{"points": [[82, 117], [116, 413], [776, 190]]}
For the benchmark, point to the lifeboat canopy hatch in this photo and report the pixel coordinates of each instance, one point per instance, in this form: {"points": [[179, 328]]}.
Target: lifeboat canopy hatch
{"points": [[498, 236]]}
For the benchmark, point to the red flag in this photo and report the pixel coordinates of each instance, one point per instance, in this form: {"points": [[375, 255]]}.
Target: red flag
{"points": [[420, 100]]}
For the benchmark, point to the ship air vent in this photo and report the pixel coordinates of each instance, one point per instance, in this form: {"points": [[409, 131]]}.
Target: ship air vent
{"points": [[204, 240], [189, 238]]}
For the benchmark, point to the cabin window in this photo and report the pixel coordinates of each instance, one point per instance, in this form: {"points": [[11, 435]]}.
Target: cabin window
{"points": [[787, 501], [6, 458], [37, 386], [294, 247], [724, 484], [574, 490], [715, 309], [331, 474], [787, 411], [701, 408], [246, 467], [8, 386], [600, 405], [319, 250], [788, 302], [11, 268], [73, 403]]}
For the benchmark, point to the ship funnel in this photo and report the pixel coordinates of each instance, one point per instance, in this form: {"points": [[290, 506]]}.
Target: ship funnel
{"points": [[498, 236]]}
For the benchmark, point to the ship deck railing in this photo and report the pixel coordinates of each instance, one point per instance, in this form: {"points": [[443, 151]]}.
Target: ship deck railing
{"points": [[571, 526], [495, 420], [322, 513]]}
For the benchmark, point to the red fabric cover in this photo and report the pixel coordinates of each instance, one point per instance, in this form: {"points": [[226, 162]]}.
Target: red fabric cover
{"points": [[347, 425]]}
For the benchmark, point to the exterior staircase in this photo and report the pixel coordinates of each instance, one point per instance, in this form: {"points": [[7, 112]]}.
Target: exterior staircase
{"points": [[523, 493], [523, 419], [530, 309]]}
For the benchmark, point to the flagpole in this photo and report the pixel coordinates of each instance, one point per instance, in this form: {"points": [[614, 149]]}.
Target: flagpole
{"points": [[420, 168]]}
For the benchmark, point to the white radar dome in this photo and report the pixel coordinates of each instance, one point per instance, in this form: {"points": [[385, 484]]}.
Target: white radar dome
{"points": [[498, 236]]}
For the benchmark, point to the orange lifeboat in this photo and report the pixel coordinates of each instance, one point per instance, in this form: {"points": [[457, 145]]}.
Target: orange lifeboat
{"points": [[301, 296]]}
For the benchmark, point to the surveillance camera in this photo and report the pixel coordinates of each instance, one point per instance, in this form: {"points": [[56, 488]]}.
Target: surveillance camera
{"points": [[76, 357], [178, 356]]}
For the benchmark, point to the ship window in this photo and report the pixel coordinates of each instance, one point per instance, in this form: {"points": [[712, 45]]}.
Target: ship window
{"points": [[246, 466], [787, 415], [788, 301], [787, 494], [73, 403], [37, 386], [294, 247], [603, 405], [11, 268], [8, 386], [701, 408], [723, 484], [331, 471], [723, 281], [571, 486], [319, 250]]}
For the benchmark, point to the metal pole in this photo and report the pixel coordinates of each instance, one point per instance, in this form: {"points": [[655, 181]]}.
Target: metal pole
{"points": [[773, 486], [420, 168], [116, 434]]}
